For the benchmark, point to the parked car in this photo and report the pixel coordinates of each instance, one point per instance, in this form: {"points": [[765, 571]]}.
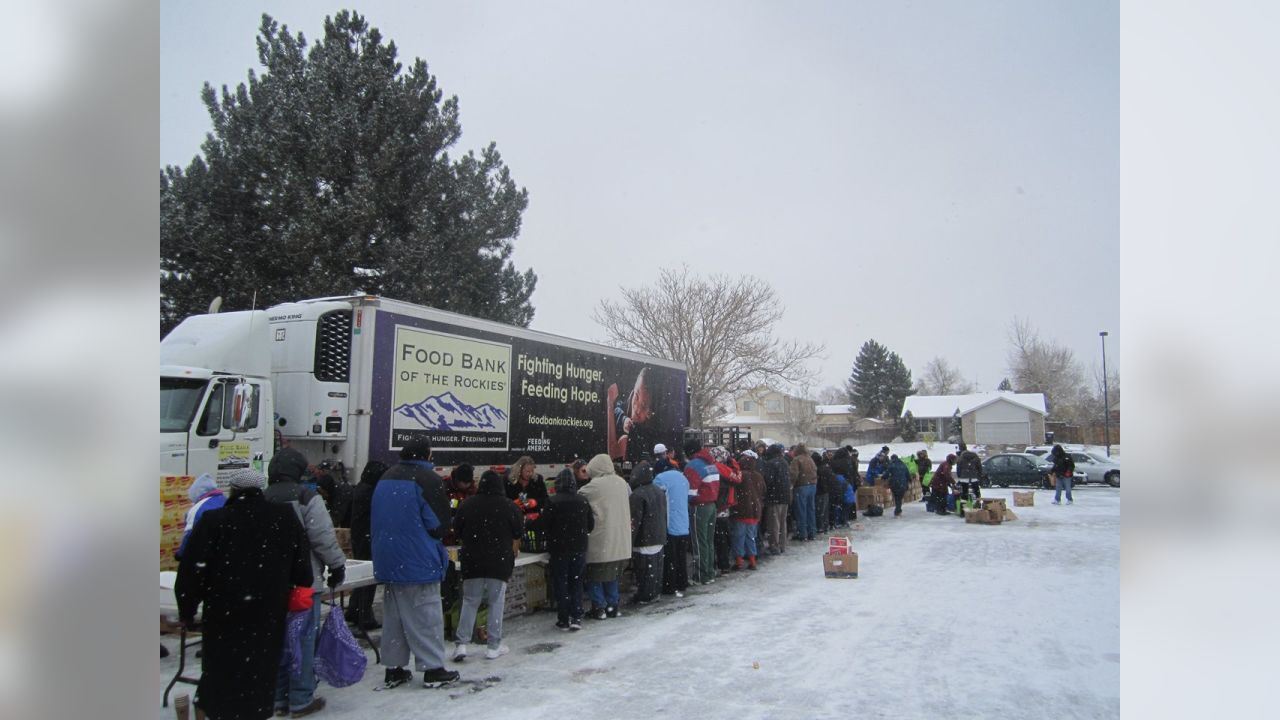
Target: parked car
{"points": [[1008, 469], [1098, 468]]}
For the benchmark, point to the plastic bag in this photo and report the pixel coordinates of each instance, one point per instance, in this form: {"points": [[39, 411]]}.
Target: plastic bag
{"points": [[340, 661], [294, 628]]}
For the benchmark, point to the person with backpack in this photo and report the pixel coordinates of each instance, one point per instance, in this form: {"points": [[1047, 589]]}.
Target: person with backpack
{"points": [[1063, 470]]}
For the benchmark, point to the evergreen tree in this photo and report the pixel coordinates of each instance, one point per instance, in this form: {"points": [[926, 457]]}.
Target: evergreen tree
{"points": [[957, 425], [1005, 385], [329, 174], [865, 384], [880, 381], [907, 428]]}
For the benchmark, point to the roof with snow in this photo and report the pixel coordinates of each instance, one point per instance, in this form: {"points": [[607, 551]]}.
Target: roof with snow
{"points": [[833, 409], [936, 406], [746, 420]]}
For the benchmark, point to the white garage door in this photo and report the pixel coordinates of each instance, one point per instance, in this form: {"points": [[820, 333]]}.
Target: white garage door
{"points": [[1004, 433]]}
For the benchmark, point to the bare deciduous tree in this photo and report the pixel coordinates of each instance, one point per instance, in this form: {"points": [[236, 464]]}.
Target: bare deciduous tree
{"points": [[1045, 366], [940, 378], [832, 395], [722, 327], [799, 414]]}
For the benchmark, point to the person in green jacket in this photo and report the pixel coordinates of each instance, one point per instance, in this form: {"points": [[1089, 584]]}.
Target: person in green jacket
{"points": [[924, 467]]}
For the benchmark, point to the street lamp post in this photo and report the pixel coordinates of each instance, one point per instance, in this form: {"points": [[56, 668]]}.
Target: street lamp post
{"points": [[1106, 400]]}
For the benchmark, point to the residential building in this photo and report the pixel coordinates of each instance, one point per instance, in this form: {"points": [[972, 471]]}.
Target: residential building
{"points": [[991, 418]]}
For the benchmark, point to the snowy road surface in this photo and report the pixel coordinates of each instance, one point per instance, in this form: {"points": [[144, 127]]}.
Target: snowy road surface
{"points": [[947, 620]]}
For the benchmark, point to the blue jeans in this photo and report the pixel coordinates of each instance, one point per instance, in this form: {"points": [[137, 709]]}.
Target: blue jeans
{"points": [[297, 691], [806, 524], [1063, 482], [604, 594], [744, 540], [566, 583]]}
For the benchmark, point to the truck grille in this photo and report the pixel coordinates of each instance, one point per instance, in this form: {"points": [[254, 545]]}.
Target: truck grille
{"points": [[333, 347]]}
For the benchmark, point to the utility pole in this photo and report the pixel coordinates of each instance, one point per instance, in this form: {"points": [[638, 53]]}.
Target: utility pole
{"points": [[1106, 400]]}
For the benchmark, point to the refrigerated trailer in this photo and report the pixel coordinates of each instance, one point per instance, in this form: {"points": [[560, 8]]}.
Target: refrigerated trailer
{"points": [[352, 379]]}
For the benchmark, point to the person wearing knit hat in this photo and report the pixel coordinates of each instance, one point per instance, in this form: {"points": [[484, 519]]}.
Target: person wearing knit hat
{"points": [[241, 563], [205, 496]]}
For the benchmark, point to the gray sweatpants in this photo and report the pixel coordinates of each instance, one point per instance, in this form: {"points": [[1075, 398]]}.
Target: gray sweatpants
{"points": [[413, 619], [473, 589]]}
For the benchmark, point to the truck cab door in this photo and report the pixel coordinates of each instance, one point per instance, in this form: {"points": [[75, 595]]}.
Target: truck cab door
{"points": [[229, 433]]}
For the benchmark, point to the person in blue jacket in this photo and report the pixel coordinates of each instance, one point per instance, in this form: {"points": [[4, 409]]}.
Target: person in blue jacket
{"points": [[409, 521], [205, 496], [899, 480]]}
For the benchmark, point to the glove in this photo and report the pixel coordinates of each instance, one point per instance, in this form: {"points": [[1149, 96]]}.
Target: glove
{"points": [[336, 576]]}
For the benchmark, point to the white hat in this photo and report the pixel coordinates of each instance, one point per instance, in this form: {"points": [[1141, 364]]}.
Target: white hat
{"points": [[247, 478], [659, 449], [751, 454]]}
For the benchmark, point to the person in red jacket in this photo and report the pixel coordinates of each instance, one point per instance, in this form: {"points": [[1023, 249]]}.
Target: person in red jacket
{"points": [[730, 479], [746, 510], [704, 490]]}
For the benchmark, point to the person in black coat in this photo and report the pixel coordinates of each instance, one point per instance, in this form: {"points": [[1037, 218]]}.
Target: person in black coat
{"points": [[777, 496], [648, 533], [362, 540], [827, 489], [899, 481], [242, 561], [567, 522], [489, 527]]}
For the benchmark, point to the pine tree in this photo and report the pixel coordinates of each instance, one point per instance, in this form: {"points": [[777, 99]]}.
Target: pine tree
{"points": [[1005, 385], [328, 174], [865, 384], [897, 384], [907, 428], [957, 425]]}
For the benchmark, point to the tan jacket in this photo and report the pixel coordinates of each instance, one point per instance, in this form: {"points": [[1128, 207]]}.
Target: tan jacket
{"points": [[609, 495], [803, 471]]}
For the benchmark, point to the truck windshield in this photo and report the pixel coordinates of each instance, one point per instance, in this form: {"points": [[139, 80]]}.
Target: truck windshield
{"points": [[179, 398]]}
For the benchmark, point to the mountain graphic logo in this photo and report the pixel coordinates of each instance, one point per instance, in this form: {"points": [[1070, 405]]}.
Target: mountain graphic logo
{"points": [[447, 412]]}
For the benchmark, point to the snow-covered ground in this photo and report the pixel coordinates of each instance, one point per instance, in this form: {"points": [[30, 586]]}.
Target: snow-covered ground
{"points": [[1020, 620]]}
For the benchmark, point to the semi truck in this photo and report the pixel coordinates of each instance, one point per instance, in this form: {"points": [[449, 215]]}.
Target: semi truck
{"points": [[352, 379]]}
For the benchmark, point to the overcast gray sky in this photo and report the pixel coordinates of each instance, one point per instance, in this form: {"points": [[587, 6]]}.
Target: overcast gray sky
{"points": [[917, 173]]}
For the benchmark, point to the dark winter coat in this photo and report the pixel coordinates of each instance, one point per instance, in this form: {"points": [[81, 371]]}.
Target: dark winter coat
{"points": [[531, 498], [488, 526], [242, 562], [1063, 465], [777, 480], [568, 520], [284, 486], [878, 466], [648, 510], [899, 476], [362, 511], [410, 519], [942, 479], [842, 463], [969, 467], [923, 466], [750, 504], [826, 479]]}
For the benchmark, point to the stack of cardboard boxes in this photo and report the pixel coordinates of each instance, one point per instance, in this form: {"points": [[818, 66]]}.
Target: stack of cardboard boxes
{"points": [[993, 511], [840, 561], [174, 505]]}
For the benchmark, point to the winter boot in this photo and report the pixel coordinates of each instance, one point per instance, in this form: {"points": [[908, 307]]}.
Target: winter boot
{"points": [[395, 677], [438, 677], [737, 565], [751, 561]]}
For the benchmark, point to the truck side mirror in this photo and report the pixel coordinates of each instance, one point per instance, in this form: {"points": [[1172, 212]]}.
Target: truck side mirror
{"points": [[243, 402]]}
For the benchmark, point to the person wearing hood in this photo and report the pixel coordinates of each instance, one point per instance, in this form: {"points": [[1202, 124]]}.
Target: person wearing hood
{"points": [[804, 483], [878, 466], [362, 540], [924, 466], [285, 486], [704, 490], [241, 563], [746, 512], [777, 496], [567, 523], [841, 467], [899, 480], [941, 485], [411, 516], [675, 562], [1064, 468], [648, 533], [205, 496], [489, 527], [609, 544]]}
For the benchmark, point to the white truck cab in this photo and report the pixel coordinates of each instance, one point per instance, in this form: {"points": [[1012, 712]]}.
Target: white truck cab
{"points": [[215, 395]]}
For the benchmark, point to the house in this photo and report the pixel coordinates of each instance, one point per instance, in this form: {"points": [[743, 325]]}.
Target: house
{"points": [[769, 414], [841, 425], [995, 418]]}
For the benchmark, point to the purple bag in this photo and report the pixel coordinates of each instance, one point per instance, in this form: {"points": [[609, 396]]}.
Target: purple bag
{"points": [[293, 630], [340, 661]]}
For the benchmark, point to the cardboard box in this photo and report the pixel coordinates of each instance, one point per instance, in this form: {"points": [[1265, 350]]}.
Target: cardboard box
{"points": [[840, 566], [977, 516], [1024, 499], [994, 516], [884, 496], [838, 545], [1008, 515], [866, 497]]}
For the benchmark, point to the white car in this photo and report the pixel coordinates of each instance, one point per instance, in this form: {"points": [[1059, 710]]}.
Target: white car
{"points": [[1099, 468]]}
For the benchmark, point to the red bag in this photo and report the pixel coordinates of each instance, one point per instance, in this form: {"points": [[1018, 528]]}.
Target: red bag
{"points": [[300, 599]]}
